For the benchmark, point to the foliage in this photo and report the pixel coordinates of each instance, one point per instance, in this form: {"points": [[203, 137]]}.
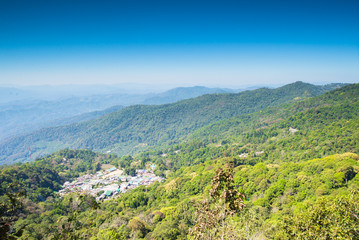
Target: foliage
{"points": [[138, 127], [213, 213], [297, 184], [336, 218], [10, 208]]}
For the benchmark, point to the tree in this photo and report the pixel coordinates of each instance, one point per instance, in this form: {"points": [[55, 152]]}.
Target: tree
{"points": [[326, 219], [75, 203], [10, 207], [130, 171], [138, 227], [213, 214]]}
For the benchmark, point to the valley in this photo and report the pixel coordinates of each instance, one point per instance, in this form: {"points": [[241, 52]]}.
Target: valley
{"points": [[139, 127], [25, 110], [284, 162], [179, 120]]}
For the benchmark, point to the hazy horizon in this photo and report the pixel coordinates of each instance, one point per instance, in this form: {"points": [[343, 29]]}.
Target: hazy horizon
{"points": [[187, 43], [155, 86]]}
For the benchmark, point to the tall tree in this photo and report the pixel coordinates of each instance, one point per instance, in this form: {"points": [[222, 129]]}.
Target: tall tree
{"points": [[224, 202]]}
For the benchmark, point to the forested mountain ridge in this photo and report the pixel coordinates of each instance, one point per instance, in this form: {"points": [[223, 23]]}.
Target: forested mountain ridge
{"points": [[139, 127], [338, 107], [299, 179], [314, 127], [22, 112]]}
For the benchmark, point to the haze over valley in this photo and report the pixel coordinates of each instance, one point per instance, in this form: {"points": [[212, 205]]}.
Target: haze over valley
{"points": [[23, 110], [179, 120]]}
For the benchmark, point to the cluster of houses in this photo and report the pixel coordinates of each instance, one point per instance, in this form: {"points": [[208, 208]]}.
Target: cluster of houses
{"points": [[110, 183]]}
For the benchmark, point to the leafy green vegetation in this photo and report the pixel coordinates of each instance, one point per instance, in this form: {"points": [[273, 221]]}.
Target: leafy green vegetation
{"points": [[42, 177], [137, 128], [293, 175]]}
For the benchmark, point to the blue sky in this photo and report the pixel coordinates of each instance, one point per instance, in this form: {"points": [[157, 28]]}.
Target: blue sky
{"points": [[213, 43]]}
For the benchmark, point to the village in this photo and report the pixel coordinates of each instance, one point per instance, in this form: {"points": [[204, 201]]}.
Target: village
{"points": [[110, 183]]}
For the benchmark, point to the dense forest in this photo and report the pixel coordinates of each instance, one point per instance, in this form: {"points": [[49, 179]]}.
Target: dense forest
{"points": [[284, 167]]}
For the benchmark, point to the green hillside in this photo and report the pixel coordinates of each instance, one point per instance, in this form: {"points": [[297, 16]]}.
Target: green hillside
{"points": [[322, 126], [296, 166], [41, 107], [140, 127]]}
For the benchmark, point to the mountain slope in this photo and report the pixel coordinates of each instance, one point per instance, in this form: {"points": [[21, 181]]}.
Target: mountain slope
{"points": [[27, 115], [134, 127], [312, 128], [288, 189]]}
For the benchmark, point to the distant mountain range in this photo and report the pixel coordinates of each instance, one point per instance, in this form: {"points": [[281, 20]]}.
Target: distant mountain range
{"points": [[33, 111], [292, 152], [136, 128], [181, 93]]}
